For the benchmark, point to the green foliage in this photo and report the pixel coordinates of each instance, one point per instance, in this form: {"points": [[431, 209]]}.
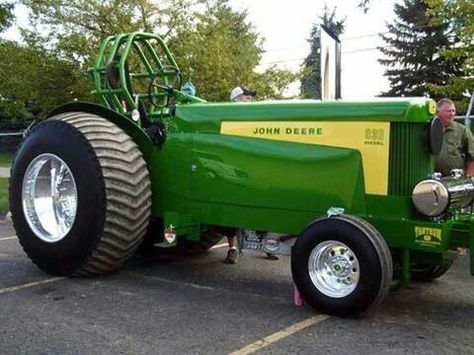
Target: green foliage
{"points": [[4, 195], [37, 81], [460, 15], [74, 30], [64, 37], [78, 26], [6, 16], [212, 44], [273, 82], [412, 52], [5, 159], [221, 50], [311, 73]]}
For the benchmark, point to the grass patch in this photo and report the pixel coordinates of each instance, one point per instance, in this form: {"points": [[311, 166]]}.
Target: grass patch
{"points": [[6, 159], [3, 195]]}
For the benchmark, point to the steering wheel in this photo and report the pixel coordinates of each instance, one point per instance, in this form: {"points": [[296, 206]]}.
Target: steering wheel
{"points": [[158, 89], [173, 74]]}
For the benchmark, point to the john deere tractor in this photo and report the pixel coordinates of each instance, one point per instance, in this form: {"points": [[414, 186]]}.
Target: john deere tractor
{"points": [[348, 189]]}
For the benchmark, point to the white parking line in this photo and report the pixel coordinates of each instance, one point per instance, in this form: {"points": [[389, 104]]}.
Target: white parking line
{"points": [[220, 246], [31, 284], [202, 287], [272, 338], [8, 238]]}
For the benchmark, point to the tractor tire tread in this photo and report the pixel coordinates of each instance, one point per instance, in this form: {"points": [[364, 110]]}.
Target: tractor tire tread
{"points": [[127, 208]]}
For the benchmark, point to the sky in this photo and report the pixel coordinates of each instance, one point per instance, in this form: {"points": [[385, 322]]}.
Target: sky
{"points": [[286, 26]]}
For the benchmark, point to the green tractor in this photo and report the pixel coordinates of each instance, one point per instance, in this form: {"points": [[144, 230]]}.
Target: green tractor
{"points": [[346, 188]]}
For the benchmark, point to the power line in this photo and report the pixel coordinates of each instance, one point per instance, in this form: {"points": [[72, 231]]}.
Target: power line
{"points": [[363, 36], [365, 49], [282, 61], [284, 48], [343, 52], [306, 45]]}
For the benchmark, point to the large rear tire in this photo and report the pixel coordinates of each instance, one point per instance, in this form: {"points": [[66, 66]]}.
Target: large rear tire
{"points": [[79, 195], [342, 266]]}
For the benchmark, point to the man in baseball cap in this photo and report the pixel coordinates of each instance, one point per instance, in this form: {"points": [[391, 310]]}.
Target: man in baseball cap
{"points": [[242, 93]]}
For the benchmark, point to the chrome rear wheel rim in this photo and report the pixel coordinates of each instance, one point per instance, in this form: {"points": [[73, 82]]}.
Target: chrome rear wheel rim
{"points": [[49, 197]]}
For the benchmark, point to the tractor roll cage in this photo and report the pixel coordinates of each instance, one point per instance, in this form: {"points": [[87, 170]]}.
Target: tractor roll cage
{"points": [[136, 71]]}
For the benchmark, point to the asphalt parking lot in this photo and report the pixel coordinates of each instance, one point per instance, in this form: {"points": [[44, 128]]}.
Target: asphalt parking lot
{"points": [[197, 305]]}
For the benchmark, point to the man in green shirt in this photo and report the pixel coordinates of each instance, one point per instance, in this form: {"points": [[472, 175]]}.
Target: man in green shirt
{"points": [[457, 151]]}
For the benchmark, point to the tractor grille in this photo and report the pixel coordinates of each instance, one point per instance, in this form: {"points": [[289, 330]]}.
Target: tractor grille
{"points": [[410, 160]]}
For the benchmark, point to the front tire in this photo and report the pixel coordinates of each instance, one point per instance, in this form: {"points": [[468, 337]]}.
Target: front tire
{"points": [[342, 266], [79, 195]]}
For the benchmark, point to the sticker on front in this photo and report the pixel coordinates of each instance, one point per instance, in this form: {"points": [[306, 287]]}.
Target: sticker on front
{"points": [[170, 234], [428, 237]]}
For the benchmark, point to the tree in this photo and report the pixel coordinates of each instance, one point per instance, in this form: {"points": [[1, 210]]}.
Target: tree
{"points": [[412, 54], [6, 16], [76, 28], [222, 50], [206, 37], [37, 81], [311, 73], [272, 83], [460, 15]]}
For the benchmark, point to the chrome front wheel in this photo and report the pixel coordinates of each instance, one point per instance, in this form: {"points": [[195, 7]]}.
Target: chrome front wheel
{"points": [[342, 265], [334, 269]]}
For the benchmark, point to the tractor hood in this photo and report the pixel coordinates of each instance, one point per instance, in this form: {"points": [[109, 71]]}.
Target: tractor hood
{"points": [[207, 117]]}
